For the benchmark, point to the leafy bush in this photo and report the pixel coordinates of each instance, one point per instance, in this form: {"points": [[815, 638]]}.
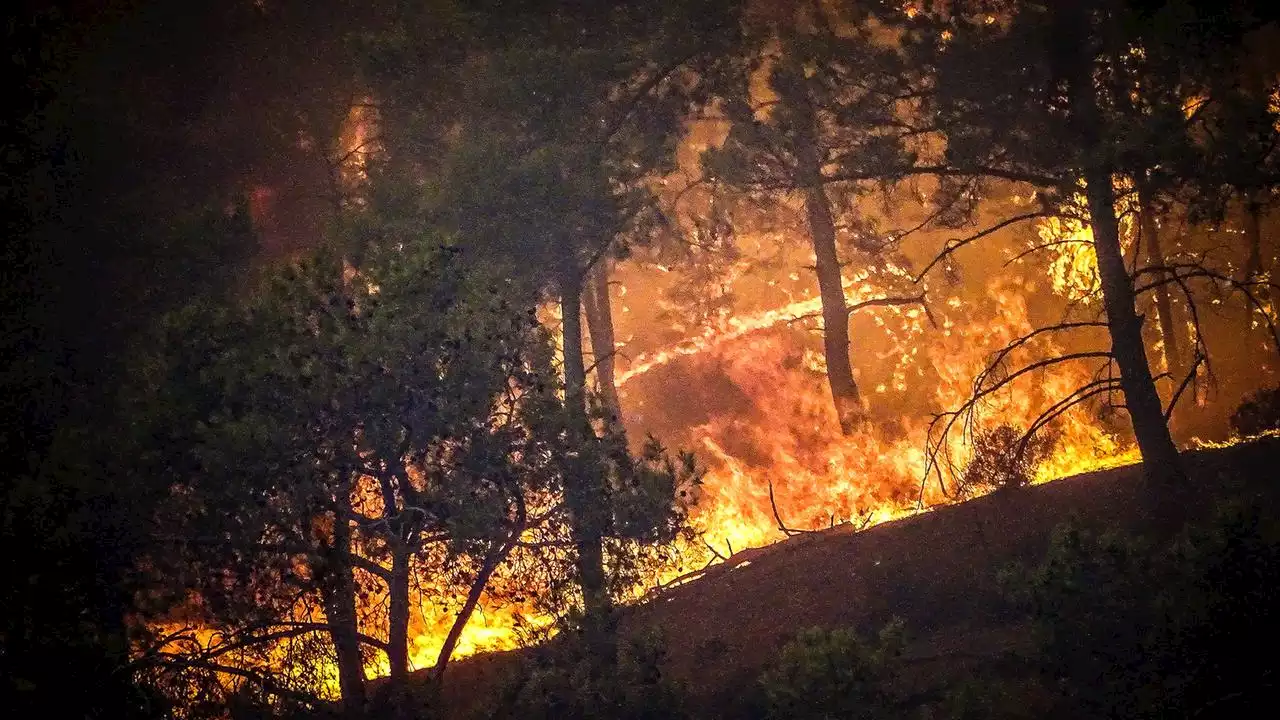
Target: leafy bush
{"points": [[1125, 630], [1216, 645], [987, 697], [558, 683], [1259, 412], [1002, 460], [1090, 601], [828, 674]]}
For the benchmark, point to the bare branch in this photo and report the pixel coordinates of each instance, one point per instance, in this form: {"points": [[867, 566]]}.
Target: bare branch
{"points": [[948, 171], [893, 301], [1044, 246], [1181, 272], [782, 526], [1077, 396], [937, 450], [1186, 383], [715, 553], [999, 357], [951, 246]]}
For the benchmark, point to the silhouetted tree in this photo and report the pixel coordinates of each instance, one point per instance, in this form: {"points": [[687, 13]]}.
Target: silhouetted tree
{"points": [[837, 100], [560, 117]]}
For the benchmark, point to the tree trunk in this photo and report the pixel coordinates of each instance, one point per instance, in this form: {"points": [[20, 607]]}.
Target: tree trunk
{"points": [[1253, 234], [1254, 265], [398, 616], [1160, 460], [396, 695], [835, 309], [822, 234], [583, 495], [1159, 454], [600, 327], [1150, 234], [339, 597], [491, 563]]}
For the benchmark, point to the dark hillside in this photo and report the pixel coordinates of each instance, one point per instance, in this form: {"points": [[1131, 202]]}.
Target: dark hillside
{"points": [[937, 571]]}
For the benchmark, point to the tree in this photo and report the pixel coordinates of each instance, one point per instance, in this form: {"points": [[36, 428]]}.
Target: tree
{"points": [[836, 100], [103, 182], [1235, 129], [599, 313], [1045, 95], [349, 439], [561, 118], [323, 439]]}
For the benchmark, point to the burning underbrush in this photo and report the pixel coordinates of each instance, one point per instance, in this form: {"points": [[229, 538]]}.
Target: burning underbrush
{"points": [[756, 407]]}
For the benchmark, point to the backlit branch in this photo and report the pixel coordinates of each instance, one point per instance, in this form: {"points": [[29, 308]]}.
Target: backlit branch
{"points": [[1186, 383], [782, 526], [955, 244], [1045, 246], [938, 450], [1075, 397], [1180, 273]]}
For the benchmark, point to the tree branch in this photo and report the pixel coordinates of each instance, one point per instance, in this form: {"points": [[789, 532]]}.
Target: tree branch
{"points": [[782, 526], [951, 246]]}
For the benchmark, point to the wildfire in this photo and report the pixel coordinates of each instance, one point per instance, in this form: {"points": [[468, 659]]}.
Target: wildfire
{"points": [[753, 402], [785, 450], [747, 391]]}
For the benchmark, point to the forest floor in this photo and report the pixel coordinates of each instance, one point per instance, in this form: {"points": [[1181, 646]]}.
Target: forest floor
{"points": [[936, 571]]}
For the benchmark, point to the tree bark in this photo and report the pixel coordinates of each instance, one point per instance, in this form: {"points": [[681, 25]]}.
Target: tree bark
{"points": [[1253, 234], [491, 563], [600, 327], [1159, 455], [583, 495], [1150, 234], [835, 310], [339, 597], [398, 616]]}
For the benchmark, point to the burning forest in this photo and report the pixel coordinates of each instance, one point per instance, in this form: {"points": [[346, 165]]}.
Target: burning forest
{"points": [[417, 331]]}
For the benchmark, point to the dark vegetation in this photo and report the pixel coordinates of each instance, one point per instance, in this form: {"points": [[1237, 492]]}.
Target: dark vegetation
{"points": [[1259, 413], [1002, 460], [1125, 628], [247, 430]]}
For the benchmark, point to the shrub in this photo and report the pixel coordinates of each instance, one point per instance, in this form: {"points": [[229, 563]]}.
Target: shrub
{"points": [[828, 674], [1090, 601], [1258, 412], [1001, 460], [558, 684], [1215, 647], [990, 697], [1125, 630]]}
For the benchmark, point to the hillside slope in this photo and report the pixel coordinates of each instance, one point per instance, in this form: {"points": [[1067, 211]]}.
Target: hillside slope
{"points": [[937, 571]]}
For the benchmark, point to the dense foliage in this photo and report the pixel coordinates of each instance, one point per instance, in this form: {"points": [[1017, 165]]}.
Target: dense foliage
{"points": [[345, 435], [834, 674], [560, 682], [1128, 630]]}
